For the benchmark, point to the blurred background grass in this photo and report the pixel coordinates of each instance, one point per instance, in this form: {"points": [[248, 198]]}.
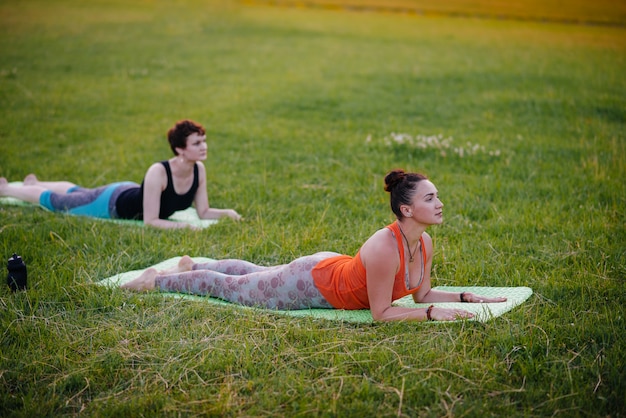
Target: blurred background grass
{"points": [[603, 12]]}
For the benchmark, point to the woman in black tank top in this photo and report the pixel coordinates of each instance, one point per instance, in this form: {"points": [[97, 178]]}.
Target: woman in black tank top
{"points": [[168, 186]]}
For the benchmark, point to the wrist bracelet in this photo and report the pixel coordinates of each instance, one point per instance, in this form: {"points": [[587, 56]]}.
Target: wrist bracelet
{"points": [[462, 296], [430, 308]]}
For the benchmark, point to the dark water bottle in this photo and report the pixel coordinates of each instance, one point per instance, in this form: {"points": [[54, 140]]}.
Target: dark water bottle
{"points": [[17, 273]]}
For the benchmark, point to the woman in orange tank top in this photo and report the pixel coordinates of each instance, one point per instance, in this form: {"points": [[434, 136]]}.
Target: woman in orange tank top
{"points": [[394, 262]]}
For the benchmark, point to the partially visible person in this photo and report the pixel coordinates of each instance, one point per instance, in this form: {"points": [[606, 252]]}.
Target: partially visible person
{"points": [[394, 262], [168, 186]]}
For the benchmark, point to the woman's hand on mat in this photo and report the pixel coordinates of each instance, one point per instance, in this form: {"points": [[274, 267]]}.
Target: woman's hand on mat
{"points": [[474, 298], [232, 214], [213, 213], [438, 313]]}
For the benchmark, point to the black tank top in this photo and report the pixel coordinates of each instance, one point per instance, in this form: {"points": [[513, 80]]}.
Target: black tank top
{"points": [[129, 205]]}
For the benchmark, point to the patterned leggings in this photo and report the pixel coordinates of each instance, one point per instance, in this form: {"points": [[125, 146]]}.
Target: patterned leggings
{"points": [[284, 287]]}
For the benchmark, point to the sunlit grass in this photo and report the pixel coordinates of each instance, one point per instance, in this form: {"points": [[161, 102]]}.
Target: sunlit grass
{"points": [[306, 110], [603, 12]]}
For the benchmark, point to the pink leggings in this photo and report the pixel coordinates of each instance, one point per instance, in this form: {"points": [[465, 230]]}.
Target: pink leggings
{"points": [[285, 287]]}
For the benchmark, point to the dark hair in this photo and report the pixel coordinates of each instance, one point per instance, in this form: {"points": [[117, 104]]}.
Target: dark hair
{"points": [[177, 135], [401, 186]]}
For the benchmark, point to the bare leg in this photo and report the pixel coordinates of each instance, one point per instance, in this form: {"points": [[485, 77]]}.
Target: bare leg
{"points": [[27, 193], [54, 186]]}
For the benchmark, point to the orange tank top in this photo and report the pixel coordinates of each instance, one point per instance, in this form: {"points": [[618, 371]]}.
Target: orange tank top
{"points": [[342, 279]]}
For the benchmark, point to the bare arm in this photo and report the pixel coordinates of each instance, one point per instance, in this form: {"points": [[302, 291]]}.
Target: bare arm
{"points": [[429, 295], [201, 201], [442, 296]]}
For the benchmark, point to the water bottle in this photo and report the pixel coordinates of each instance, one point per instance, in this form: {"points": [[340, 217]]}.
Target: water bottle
{"points": [[16, 278]]}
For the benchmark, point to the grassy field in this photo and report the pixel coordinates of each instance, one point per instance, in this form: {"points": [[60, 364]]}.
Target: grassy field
{"points": [[598, 12], [520, 125]]}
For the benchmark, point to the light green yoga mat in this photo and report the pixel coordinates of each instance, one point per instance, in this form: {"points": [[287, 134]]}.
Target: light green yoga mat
{"points": [[188, 215], [483, 311]]}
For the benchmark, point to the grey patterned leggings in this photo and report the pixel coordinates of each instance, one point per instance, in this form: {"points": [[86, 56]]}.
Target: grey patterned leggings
{"points": [[284, 287]]}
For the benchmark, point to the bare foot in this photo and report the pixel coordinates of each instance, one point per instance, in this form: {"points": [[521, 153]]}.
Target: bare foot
{"points": [[185, 264], [30, 180], [145, 282]]}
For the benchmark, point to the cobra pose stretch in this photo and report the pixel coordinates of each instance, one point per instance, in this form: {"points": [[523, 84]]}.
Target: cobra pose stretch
{"points": [[394, 262], [168, 186]]}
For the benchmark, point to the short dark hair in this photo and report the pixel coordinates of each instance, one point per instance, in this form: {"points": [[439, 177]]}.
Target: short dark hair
{"points": [[177, 135], [401, 187]]}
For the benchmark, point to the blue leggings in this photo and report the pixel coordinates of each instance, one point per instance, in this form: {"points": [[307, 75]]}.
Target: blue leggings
{"points": [[97, 203]]}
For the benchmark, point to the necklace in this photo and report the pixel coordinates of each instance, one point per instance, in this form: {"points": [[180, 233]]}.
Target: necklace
{"points": [[411, 254]]}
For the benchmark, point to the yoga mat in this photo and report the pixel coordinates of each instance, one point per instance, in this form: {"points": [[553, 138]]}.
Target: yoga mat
{"points": [[483, 311], [188, 215]]}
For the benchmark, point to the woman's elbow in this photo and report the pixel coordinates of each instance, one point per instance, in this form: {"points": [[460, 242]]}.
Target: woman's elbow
{"points": [[151, 221], [378, 315]]}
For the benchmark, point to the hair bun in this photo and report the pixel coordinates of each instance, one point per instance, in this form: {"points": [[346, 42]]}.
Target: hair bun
{"points": [[393, 178]]}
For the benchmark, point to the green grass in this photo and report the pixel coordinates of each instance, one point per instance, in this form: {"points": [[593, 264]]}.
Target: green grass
{"points": [[289, 98]]}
